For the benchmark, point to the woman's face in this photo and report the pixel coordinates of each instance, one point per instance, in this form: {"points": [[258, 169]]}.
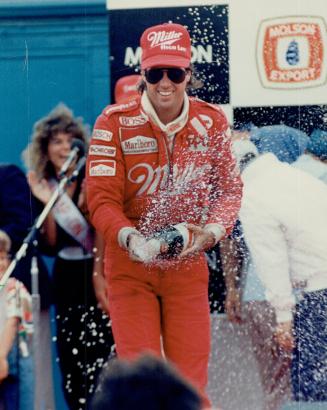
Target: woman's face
{"points": [[58, 149]]}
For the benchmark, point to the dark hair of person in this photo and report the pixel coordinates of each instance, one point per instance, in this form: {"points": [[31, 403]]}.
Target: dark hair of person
{"points": [[148, 383], [245, 161], [59, 120]]}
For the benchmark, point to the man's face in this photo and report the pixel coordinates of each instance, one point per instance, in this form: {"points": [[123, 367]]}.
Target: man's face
{"points": [[4, 262], [166, 94]]}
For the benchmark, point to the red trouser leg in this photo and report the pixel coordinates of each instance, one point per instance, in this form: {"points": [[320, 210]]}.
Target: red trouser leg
{"points": [[145, 303], [186, 324], [135, 316]]}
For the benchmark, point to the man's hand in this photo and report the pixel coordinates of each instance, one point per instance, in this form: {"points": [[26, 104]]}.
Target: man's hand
{"points": [[284, 336], [101, 291], [203, 239], [136, 244], [4, 368], [233, 305]]}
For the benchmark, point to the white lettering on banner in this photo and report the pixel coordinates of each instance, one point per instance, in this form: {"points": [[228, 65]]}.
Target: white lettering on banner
{"points": [[103, 135], [132, 121], [153, 179], [102, 168], [161, 38], [293, 75], [291, 30], [102, 150], [200, 54], [291, 52], [131, 58], [139, 145]]}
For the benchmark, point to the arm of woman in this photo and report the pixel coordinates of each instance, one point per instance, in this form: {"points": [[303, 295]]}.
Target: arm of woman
{"points": [[99, 280], [6, 342], [41, 190]]}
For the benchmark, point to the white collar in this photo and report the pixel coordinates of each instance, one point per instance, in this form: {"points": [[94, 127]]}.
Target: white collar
{"points": [[172, 127]]}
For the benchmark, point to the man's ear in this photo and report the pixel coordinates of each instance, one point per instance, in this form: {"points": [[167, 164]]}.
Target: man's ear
{"points": [[188, 76]]}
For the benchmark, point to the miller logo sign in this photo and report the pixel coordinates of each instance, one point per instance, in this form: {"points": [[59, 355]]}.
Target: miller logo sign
{"points": [[291, 52]]}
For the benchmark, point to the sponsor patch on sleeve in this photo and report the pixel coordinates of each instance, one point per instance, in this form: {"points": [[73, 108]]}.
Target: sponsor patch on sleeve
{"points": [[102, 168], [102, 150], [103, 135]]}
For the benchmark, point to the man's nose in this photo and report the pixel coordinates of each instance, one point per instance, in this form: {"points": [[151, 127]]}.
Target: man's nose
{"points": [[165, 79]]}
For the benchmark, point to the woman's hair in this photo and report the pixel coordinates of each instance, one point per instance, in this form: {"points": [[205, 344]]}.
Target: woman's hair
{"points": [[59, 120], [5, 242], [193, 84]]}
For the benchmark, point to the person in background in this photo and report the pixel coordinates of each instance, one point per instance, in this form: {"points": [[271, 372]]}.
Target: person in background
{"points": [[16, 328], [286, 233], [314, 160], [148, 383], [247, 304], [126, 88], [166, 164], [246, 301], [82, 330], [286, 143]]}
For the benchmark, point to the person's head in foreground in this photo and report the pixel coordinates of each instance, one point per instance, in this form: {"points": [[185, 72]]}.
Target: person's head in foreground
{"points": [[166, 68], [148, 383]]}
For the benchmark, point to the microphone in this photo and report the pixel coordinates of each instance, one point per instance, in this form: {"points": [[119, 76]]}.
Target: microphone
{"points": [[79, 166], [77, 150]]}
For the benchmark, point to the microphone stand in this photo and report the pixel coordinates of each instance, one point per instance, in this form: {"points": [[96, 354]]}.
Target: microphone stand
{"points": [[32, 234], [60, 189]]}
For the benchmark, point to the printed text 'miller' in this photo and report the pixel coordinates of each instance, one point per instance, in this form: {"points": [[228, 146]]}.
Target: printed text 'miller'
{"points": [[161, 37], [281, 30]]}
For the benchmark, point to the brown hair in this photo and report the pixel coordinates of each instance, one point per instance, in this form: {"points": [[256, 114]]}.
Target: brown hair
{"points": [[60, 119], [5, 242]]}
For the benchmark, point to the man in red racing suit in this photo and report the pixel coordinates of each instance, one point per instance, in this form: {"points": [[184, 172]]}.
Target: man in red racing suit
{"points": [[147, 170]]}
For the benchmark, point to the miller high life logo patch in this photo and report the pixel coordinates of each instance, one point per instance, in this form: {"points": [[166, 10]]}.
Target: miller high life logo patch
{"points": [[291, 52]]}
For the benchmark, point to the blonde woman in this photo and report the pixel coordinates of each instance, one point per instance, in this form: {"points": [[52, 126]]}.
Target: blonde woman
{"points": [[83, 334]]}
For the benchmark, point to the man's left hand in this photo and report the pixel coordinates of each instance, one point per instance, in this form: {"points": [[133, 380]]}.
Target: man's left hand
{"points": [[203, 239]]}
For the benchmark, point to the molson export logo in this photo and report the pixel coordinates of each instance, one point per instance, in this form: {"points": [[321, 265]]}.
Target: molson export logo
{"points": [[291, 52]]}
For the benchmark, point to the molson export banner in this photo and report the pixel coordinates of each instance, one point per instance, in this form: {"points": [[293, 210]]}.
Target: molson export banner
{"points": [[278, 52], [291, 52]]}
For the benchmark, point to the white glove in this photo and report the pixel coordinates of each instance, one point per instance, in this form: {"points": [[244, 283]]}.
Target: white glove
{"points": [[141, 250]]}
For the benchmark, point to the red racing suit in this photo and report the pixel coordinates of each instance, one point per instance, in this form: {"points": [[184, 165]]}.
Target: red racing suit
{"points": [[135, 180]]}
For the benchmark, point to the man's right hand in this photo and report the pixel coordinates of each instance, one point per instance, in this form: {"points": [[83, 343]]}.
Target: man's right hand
{"points": [[136, 241]]}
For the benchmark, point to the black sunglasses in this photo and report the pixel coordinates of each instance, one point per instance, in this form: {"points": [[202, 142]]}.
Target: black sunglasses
{"points": [[176, 75]]}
